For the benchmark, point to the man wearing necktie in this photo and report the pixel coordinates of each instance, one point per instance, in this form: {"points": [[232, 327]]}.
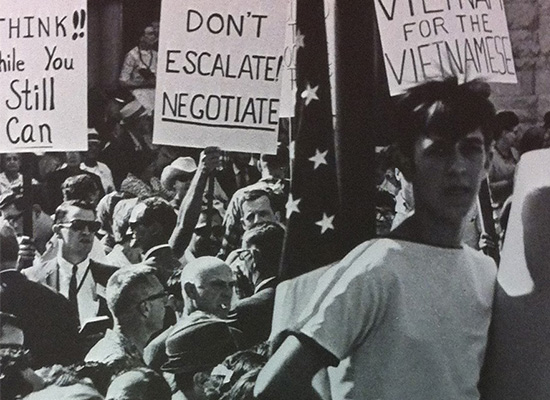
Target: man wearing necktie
{"points": [[72, 273]]}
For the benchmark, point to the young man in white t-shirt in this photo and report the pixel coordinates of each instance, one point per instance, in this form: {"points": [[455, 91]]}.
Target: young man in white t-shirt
{"points": [[406, 317]]}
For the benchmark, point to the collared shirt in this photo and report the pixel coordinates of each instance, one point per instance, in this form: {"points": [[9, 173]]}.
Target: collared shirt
{"points": [[116, 347], [88, 301]]}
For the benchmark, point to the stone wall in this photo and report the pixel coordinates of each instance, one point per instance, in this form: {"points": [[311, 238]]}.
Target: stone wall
{"points": [[529, 26]]}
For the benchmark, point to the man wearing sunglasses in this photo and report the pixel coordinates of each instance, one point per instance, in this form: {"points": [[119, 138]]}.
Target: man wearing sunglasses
{"points": [[72, 273]]}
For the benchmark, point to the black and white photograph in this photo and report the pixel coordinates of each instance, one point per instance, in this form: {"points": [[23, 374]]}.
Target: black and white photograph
{"points": [[274, 199]]}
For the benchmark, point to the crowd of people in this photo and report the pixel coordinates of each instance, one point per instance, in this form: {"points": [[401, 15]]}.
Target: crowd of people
{"points": [[151, 271]]}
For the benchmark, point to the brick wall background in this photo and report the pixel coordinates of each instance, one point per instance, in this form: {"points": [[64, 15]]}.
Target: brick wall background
{"points": [[529, 26]]}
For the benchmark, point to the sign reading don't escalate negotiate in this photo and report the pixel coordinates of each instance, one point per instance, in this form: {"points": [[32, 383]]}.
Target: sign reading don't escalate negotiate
{"points": [[218, 76]]}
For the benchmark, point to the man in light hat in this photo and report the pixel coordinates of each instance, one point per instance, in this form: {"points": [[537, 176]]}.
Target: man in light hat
{"points": [[128, 151], [176, 178], [91, 163]]}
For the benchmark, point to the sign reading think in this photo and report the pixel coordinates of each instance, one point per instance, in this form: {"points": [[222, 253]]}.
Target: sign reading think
{"points": [[218, 74], [431, 39], [43, 81]]}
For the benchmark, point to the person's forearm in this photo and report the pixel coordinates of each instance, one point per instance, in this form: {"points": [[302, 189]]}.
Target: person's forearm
{"points": [[189, 213]]}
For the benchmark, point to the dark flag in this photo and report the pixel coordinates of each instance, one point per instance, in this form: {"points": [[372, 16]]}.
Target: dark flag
{"points": [[314, 236]]}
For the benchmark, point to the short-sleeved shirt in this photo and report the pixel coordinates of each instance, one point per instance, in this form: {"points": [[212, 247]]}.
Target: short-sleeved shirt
{"points": [[408, 320]]}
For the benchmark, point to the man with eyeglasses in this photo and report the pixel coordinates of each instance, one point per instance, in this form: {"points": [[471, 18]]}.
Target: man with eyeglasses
{"points": [[72, 272], [137, 301]]}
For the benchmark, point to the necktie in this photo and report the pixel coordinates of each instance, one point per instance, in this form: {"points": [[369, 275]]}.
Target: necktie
{"points": [[73, 289]]}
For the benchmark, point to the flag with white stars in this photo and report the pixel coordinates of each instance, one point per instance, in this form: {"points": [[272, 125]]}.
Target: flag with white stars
{"points": [[314, 234]]}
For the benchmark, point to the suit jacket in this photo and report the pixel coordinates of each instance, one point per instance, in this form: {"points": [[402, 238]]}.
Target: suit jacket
{"points": [[47, 274], [253, 315]]}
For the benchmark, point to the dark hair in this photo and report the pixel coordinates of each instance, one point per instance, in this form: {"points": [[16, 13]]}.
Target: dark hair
{"points": [[274, 201], [63, 208], [547, 120], [445, 108], [505, 121], [268, 238], [532, 139], [237, 364], [79, 187], [280, 159], [159, 210], [243, 389]]}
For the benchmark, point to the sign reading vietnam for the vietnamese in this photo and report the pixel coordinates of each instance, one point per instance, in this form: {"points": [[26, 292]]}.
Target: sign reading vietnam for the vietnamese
{"points": [[43, 75], [218, 74], [431, 39]]}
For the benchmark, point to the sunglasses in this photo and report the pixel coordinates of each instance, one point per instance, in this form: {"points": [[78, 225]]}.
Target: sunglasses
{"points": [[80, 225]]}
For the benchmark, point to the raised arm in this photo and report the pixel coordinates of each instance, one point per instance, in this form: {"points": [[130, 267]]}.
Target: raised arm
{"points": [[191, 205]]}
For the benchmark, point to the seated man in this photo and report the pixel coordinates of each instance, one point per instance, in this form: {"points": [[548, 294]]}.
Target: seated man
{"points": [[72, 272], [394, 313], [263, 243], [136, 299]]}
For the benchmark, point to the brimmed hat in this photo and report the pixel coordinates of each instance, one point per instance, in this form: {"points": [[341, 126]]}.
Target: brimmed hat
{"points": [[180, 167], [131, 110], [198, 346]]}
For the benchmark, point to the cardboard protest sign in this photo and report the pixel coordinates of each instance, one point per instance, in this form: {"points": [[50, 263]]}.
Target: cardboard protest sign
{"points": [[43, 75], [218, 74], [431, 39]]}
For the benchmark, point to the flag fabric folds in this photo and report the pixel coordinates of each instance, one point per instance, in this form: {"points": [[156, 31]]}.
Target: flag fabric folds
{"points": [[314, 225]]}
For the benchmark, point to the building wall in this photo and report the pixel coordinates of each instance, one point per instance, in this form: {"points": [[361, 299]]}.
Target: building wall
{"points": [[529, 26]]}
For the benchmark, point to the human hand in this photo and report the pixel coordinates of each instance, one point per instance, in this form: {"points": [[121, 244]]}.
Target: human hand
{"points": [[210, 159], [26, 253]]}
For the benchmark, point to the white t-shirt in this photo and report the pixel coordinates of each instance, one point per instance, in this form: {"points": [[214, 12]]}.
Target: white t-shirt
{"points": [[407, 320]]}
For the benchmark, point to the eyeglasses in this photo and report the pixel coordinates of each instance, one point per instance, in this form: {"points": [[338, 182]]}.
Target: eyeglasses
{"points": [[79, 225], [160, 295]]}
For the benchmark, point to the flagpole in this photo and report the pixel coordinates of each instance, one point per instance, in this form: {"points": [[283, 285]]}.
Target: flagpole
{"points": [[356, 97]]}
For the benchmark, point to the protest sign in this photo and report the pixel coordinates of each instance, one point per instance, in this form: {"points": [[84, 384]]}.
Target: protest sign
{"points": [[43, 75], [218, 74], [431, 39]]}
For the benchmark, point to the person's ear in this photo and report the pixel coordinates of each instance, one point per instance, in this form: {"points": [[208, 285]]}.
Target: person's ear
{"points": [[144, 308], [174, 303], [190, 290]]}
